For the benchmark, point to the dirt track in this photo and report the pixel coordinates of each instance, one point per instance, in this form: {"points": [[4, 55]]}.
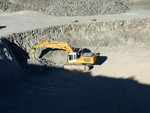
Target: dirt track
{"points": [[125, 62], [22, 21]]}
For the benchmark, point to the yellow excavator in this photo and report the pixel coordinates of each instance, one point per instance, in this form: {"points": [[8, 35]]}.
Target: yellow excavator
{"points": [[75, 60]]}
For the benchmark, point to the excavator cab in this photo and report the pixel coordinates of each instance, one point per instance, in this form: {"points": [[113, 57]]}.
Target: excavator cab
{"points": [[72, 57], [82, 58]]}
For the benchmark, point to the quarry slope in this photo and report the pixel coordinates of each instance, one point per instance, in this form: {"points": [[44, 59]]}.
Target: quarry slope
{"points": [[119, 81]]}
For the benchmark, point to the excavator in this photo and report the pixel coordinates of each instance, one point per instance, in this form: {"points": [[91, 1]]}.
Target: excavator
{"points": [[75, 61]]}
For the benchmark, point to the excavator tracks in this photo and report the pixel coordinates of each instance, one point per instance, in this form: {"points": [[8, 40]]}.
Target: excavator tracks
{"points": [[79, 67]]}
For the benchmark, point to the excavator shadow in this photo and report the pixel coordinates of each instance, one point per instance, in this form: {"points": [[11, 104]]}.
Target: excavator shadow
{"points": [[100, 59]]}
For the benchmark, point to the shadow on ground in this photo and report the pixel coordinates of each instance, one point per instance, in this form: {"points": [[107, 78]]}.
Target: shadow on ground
{"points": [[45, 51], [101, 60], [54, 90], [1, 27]]}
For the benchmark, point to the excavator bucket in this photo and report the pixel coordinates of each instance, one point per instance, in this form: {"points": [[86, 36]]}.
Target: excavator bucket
{"points": [[33, 53]]}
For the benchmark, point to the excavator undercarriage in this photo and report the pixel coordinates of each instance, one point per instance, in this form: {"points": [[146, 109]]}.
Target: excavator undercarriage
{"points": [[77, 67]]}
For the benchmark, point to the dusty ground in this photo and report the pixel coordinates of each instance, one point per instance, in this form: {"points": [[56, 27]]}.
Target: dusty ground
{"points": [[118, 83], [125, 62], [24, 20]]}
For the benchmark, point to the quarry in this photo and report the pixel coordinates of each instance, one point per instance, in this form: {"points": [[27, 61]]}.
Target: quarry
{"points": [[117, 31]]}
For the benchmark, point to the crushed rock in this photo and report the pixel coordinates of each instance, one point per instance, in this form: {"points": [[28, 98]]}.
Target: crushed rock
{"points": [[86, 7], [66, 7]]}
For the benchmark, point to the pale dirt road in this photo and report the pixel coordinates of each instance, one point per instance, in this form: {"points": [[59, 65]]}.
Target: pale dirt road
{"points": [[124, 62], [22, 21]]}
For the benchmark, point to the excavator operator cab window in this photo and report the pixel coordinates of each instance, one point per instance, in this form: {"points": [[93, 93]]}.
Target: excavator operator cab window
{"points": [[71, 57]]}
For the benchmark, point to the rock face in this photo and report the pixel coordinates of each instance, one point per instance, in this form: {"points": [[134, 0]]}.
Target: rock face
{"points": [[121, 32], [66, 7]]}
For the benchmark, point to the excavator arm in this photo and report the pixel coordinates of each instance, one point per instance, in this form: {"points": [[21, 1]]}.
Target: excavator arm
{"points": [[47, 43], [75, 60]]}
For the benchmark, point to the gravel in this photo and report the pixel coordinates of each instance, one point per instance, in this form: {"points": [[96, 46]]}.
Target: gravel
{"points": [[6, 6], [137, 4], [86, 7], [66, 7]]}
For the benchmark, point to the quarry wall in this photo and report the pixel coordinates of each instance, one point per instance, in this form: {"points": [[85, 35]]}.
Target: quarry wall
{"points": [[114, 33], [14, 48]]}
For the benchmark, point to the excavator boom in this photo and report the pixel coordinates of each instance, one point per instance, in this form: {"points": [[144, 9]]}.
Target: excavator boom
{"points": [[47, 43]]}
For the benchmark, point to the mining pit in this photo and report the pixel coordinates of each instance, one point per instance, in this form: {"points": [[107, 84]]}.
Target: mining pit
{"points": [[117, 83]]}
